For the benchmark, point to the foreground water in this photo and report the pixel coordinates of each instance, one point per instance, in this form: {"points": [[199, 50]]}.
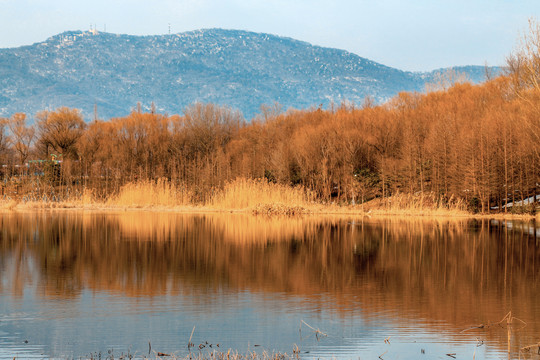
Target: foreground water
{"points": [[76, 285]]}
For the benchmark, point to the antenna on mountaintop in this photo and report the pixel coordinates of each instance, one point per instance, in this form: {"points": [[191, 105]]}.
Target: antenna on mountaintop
{"points": [[169, 28], [95, 112]]}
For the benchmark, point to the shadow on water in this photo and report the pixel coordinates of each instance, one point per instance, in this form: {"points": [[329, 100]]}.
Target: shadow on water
{"points": [[447, 275]]}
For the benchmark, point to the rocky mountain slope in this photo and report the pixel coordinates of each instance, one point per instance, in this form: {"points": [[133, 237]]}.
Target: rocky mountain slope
{"points": [[236, 68]]}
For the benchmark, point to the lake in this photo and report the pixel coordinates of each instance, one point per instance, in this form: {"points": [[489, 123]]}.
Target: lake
{"points": [[75, 284]]}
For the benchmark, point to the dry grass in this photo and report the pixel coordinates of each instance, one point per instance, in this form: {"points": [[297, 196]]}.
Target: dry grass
{"points": [[258, 197], [417, 205], [261, 196], [279, 209], [150, 194], [87, 197], [8, 204], [208, 355], [85, 200]]}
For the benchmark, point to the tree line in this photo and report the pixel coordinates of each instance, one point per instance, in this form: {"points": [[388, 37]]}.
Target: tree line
{"points": [[478, 143]]}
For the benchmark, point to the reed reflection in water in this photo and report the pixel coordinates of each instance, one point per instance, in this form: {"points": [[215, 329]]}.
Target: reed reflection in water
{"points": [[122, 279]]}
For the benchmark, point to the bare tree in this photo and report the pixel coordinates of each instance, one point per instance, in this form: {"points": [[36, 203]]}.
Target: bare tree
{"points": [[22, 135], [524, 62], [444, 80], [524, 72], [4, 138], [61, 129]]}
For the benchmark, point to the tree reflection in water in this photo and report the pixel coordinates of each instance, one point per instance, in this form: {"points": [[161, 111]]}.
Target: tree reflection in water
{"points": [[460, 272]]}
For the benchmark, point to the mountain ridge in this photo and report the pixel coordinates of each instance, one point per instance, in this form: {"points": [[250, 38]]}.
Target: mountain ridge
{"points": [[237, 68]]}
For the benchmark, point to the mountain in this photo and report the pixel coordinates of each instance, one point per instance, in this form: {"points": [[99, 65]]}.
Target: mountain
{"points": [[236, 68]]}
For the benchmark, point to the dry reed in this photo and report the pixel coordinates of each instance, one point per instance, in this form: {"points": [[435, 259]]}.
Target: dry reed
{"points": [[87, 197], [417, 205], [209, 355], [8, 204], [262, 196], [256, 196], [150, 194], [84, 200], [279, 209]]}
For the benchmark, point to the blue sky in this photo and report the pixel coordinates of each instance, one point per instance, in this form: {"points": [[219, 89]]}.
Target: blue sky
{"points": [[416, 35]]}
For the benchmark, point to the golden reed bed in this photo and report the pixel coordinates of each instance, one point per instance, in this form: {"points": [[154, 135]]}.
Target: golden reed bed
{"points": [[254, 196]]}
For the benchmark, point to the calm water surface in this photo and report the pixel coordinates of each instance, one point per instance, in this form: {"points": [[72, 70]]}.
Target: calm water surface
{"points": [[73, 285]]}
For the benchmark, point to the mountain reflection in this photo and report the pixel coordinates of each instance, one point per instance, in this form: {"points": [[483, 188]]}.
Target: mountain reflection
{"points": [[461, 272]]}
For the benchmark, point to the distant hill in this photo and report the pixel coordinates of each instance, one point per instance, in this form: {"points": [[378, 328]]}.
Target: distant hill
{"points": [[236, 68]]}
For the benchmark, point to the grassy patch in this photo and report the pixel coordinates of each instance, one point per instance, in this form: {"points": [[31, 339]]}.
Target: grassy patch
{"points": [[261, 196], [149, 194]]}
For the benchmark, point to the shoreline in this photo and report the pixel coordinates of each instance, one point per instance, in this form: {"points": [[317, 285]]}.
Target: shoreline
{"points": [[282, 210]]}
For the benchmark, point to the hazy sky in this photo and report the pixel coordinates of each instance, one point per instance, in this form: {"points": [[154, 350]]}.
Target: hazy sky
{"points": [[410, 35]]}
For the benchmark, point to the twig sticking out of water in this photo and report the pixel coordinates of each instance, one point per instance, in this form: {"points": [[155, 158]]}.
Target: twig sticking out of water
{"points": [[387, 340], [296, 351], [479, 342], [529, 348], [211, 355], [508, 318], [316, 331], [190, 344]]}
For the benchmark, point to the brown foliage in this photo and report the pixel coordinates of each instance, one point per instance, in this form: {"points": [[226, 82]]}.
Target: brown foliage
{"points": [[479, 144]]}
